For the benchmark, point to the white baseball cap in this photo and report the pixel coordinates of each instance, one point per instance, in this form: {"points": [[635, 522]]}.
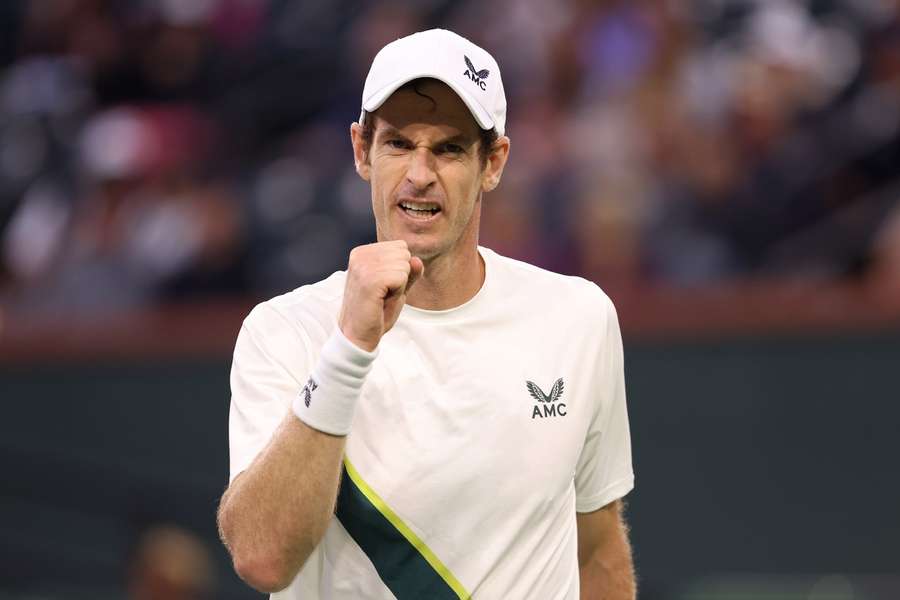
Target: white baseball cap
{"points": [[470, 71]]}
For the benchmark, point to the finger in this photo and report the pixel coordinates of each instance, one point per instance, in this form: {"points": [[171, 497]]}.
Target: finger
{"points": [[396, 280], [388, 257], [416, 270], [392, 244]]}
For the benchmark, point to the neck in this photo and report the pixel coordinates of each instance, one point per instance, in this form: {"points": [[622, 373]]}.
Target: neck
{"points": [[448, 281]]}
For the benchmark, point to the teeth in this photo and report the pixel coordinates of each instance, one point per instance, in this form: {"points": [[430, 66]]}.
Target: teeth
{"points": [[420, 206]]}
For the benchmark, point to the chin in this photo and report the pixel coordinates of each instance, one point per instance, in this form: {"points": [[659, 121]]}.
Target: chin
{"points": [[426, 249], [424, 245]]}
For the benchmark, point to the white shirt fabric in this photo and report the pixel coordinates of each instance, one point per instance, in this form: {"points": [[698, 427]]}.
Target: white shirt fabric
{"points": [[447, 433]]}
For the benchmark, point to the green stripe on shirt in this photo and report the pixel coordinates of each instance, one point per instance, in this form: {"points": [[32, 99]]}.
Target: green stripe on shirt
{"points": [[405, 564]]}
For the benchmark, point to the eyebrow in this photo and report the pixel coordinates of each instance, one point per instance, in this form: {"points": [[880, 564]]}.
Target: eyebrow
{"points": [[389, 132], [459, 138]]}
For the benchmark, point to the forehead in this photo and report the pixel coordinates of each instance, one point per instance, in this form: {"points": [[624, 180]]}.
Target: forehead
{"points": [[427, 102]]}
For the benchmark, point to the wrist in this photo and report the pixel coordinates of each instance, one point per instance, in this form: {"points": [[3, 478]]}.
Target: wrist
{"points": [[361, 342], [328, 400]]}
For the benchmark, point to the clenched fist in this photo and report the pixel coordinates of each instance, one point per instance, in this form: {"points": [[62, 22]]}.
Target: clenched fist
{"points": [[378, 278]]}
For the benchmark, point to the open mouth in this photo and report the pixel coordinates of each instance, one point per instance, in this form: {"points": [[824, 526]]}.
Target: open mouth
{"points": [[420, 210]]}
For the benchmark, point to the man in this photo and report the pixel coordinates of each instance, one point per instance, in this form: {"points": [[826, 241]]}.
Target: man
{"points": [[391, 436]]}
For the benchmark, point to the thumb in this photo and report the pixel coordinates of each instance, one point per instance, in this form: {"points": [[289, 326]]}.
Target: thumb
{"points": [[416, 269]]}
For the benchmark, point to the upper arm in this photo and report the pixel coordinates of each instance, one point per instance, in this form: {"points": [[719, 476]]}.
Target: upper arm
{"points": [[271, 360], [604, 471], [605, 566], [601, 530]]}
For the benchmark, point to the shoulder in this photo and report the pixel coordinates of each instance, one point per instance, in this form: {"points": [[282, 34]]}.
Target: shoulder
{"points": [[309, 310], [570, 293]]}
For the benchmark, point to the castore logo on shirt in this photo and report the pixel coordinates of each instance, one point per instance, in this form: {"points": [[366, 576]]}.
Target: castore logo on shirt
{"points": [[548, 406]]}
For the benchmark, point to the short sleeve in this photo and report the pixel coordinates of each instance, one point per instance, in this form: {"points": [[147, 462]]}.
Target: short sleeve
{"points": [[271, 362], [604, 472]]}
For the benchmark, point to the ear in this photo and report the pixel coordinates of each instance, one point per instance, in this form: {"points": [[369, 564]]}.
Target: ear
{"points": [[496, 161], [360, 158]]}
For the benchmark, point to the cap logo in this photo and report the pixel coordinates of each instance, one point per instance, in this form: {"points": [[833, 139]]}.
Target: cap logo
{"points": [[475, 75]]}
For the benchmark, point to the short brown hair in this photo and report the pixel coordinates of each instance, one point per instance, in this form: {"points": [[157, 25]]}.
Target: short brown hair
{"points": [[486, 137]]}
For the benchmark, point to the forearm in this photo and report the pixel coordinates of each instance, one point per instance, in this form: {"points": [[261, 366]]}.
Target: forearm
{"points": [[274, 514]]}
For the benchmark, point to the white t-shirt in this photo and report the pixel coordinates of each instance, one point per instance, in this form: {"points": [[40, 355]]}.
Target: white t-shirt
{"points": [[481, 430]]}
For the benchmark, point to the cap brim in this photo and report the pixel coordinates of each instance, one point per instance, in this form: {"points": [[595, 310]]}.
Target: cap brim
{"points": [[378, 98]]}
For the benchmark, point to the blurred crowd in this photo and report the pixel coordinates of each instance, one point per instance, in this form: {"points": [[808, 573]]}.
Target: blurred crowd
{"points": [[161, 150]]}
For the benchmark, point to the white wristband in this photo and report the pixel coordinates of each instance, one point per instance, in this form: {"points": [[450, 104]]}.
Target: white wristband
{"points": [[328, 400]]}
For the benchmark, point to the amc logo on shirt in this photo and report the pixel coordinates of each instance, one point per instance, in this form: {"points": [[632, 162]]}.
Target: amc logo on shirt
{"points": [[547, 403]]}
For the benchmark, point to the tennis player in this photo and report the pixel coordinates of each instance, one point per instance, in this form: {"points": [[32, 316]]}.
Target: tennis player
{"points": [[437, 421]]}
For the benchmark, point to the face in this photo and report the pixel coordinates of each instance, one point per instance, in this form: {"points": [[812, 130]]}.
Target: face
{"points": [[424, 169]]}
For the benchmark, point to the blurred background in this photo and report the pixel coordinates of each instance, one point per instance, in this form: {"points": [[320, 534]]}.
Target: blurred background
{"points": [[727, 170]]}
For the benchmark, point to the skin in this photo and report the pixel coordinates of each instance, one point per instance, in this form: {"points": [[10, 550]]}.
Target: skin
{"points": [[605, 566], [424, 149], [276, 511]]}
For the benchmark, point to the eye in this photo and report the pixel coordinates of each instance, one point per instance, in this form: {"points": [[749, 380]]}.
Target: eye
{"points": [[450, 148], [396, 144]]}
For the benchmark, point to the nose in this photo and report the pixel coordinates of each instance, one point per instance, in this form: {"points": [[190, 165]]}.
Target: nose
{"points": [[421, 169]]}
